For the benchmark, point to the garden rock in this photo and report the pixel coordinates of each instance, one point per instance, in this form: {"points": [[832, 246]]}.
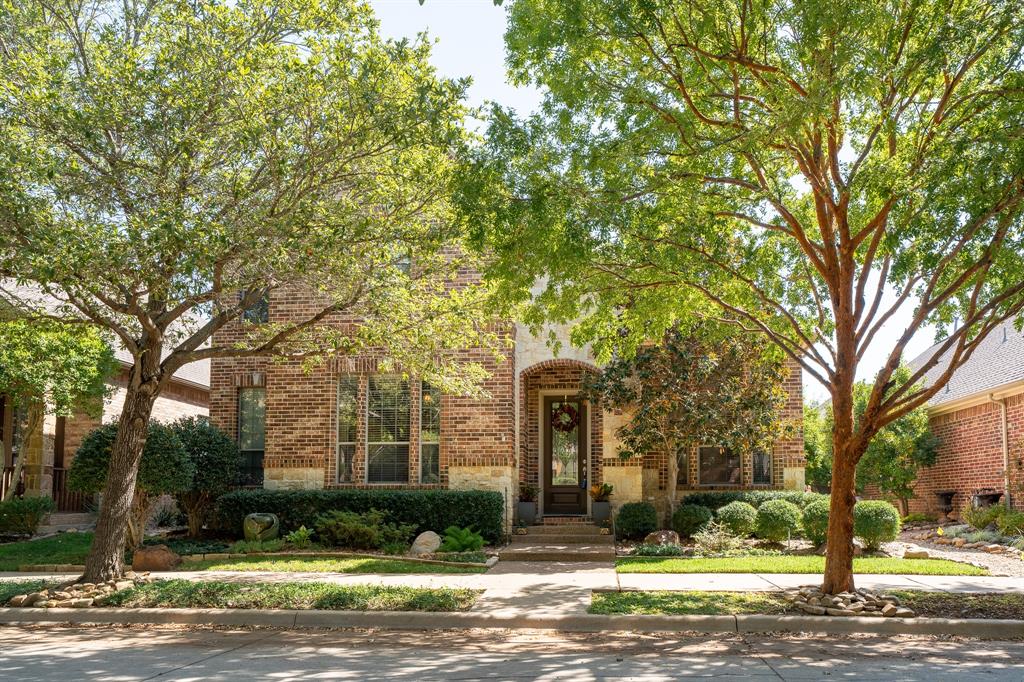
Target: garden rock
{"points": [[78, 595], [426, 542], [662, 537], [813, 602], [155, 558], [916, 554], [261, 527]]}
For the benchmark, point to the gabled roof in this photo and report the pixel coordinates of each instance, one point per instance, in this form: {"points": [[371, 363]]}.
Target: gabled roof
{"points": [[997, 362]]}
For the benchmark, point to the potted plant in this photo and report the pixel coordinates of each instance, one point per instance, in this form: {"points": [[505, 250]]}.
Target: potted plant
{"points": [[526, 510], [601, 508]]}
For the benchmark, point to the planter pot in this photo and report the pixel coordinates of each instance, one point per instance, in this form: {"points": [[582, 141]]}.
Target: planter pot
{"points": [[527, 512], [601, 511]]}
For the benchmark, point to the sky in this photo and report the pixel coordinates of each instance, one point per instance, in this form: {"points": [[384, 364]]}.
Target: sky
{"points": [[468, 37]]}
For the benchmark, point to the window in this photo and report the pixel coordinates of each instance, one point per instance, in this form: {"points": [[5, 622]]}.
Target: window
{"points": [[258, 312], [718, 466], [387, 430], [683, 464], [348, 418], [430, 434], [252, 411], [762, 464]]}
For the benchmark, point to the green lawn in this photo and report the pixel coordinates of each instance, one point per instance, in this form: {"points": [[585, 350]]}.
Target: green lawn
{"points": [[319, 565], [795, 564], [293, 595], [686, 603], [65, 548], [12, 588]]}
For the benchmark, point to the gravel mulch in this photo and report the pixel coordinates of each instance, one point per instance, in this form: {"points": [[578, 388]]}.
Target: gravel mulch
{"points": [[996, 563]]}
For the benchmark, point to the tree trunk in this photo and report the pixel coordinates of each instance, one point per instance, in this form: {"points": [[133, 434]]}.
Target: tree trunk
{"points": [[106, 557], [904, 507], [839, 552], [194, 505], [35, 419]]}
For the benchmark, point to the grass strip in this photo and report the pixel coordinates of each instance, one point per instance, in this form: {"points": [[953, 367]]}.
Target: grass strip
{"points": [[12, 588], [63, 548], [794, 564], [326, 565], [293, 595]]}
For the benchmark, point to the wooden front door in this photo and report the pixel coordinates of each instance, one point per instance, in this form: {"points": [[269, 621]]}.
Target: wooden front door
{"points": [[564, 423]]}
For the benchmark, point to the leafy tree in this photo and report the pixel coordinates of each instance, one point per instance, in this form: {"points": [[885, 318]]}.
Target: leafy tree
{"points": [[165, 469], [215, 460], [51, 367], [703, 385], [817, 450], [806, 170], [169, 166], [893, 457]]}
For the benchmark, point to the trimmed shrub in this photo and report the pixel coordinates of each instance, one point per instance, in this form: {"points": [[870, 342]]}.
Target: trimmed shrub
{"points": [[216, 459], [717, 499], [22, 515], [635, 520], [981, 518], [424, 509], [658, 550], [165, 468], [368, 530], [739, 518], [919, 517], [1011, 523], [778, 520], [689, 519], [875, 522], [815, 521]]}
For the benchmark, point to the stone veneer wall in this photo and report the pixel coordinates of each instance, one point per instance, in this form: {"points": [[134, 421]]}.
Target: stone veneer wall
{"points": [[499, 479]]}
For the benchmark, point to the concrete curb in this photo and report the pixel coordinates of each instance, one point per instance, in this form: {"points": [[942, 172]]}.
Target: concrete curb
{"points": [[420, 620]]}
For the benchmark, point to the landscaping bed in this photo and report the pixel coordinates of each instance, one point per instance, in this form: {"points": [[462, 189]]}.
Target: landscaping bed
{"points": [[926, 604], [793, 564], [292, 595], [329, 564]]}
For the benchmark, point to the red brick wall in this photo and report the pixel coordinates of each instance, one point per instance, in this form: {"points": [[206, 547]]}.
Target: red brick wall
{"points": [[970, 455]]}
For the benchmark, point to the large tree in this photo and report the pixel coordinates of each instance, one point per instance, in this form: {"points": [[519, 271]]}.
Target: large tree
{"points": [[170, 164], [806, 170], [700, 385]]}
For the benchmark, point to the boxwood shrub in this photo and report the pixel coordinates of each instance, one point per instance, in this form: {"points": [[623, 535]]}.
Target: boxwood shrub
{"points": [[816, 521], [875, 522], [778, 520], [740, 518], [689, 519], [635, 520], [716, 499], [425, 509]]}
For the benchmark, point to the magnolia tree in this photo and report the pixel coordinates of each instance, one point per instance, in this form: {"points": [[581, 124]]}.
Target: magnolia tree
{"points": [[698, 386], [51, 367], [170, 165], [809, 171]]}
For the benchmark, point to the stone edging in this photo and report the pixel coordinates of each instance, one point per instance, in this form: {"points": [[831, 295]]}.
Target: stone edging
{"points": [[419, 620]]}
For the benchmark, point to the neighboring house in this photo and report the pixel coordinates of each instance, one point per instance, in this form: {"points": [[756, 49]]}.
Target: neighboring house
{"points": [[49, 451], [979, 419], [345, 424]]}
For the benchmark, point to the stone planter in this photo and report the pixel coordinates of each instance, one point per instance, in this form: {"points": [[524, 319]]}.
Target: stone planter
{"points": [[601, 511], [527, 512]]}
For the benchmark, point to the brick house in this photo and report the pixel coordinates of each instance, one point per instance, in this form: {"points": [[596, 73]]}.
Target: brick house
{"points": [[346, 424], [50, 449], [979, 419]]}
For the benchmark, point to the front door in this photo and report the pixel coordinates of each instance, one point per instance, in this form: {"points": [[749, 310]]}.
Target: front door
{"points": [[564, 422]]}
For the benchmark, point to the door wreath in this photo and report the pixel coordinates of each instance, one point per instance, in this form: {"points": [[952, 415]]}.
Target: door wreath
{"points": [[565, 418]]}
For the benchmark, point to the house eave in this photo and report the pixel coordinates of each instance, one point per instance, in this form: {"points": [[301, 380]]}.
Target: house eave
{"points": [[977, 398]]}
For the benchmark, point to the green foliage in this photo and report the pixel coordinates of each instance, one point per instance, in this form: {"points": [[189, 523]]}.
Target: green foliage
{"points": [[778, 520], [461, 557], [255, 546], [817, 447], [461, 540], [165, 466], [740, 518], [875, 522], [301, 537], [919, 517], [690, 518], [215, 459], [717, 499], [715, 539], [367, 530], [528, 492], [815, 521], [659, 550], [1011, 523], [22, 515], [423, 509], [635, 520], [982, 518]]}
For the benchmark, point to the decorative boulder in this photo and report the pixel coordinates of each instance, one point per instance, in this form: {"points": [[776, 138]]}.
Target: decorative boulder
{"points": [[662, 537], [155, 558], [916, 554], [427, 542], [261, 527]]}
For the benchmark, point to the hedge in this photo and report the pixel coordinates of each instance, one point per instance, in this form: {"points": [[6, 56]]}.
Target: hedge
{"points": [[425, 509], [716, 499]]}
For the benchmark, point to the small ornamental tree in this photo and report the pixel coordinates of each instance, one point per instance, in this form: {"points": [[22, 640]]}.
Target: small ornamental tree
{"points": [[51, 367], [165, 469], [706, 384], [215, 458]]}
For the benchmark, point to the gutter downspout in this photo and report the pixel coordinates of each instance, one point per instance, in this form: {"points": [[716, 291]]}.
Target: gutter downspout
{"points": [[1003, 427]]}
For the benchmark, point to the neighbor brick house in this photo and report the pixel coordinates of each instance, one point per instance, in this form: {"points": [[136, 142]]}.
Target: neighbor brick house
{"points": [[346, 424], [979, 419]]}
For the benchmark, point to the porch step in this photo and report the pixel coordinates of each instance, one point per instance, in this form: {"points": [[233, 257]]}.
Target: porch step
{"points": [[574, 520], [563, 538], [568, 529], [68, 521], [559, 552]]}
